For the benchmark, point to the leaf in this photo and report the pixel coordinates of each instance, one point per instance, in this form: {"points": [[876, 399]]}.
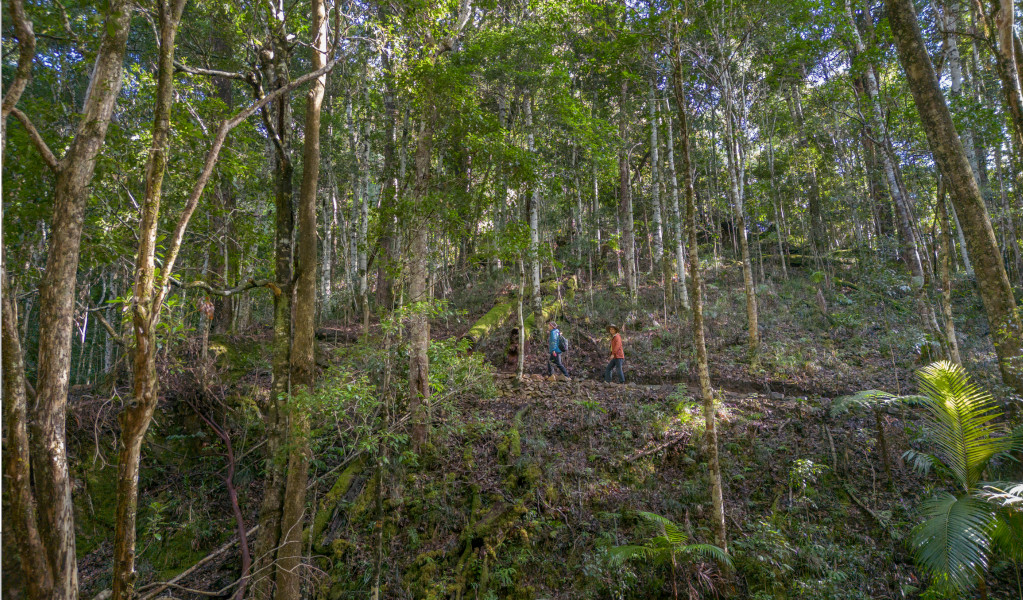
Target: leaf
{"points": [[960, 416], [953, 543]]}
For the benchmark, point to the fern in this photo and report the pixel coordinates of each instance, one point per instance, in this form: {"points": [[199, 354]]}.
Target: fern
{"points": [[668, 546]]}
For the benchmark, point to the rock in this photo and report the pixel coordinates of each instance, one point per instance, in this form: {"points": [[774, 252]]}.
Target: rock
{"points": [[777, 396]]}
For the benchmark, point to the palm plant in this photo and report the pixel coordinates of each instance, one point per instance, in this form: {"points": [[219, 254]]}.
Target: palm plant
{"points": [[668, 547], [954, 541]]}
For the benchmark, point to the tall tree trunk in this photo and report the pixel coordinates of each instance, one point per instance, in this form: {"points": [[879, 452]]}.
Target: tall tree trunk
{"points": [[387, 255], [625, 200], [736, 195], [944, 263], [992, 280], [303, 358], [48, 455], [655, 183], [137, 416], [817, 232], [699, 339], [274, 410], [23, 538], [679, 225], [225, 257], [911, 243], [419, 251], [1007, 68], [534, 222]]}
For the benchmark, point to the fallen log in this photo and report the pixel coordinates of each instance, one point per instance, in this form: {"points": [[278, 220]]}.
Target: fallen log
{"points": [[497, 316], [490, 322]]}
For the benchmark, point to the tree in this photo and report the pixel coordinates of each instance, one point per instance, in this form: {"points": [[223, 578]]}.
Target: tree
{"points": [[992, 280], [74, 171], [696, 293]]}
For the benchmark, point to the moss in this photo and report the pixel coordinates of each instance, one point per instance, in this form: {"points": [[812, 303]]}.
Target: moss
{"points": [[509, 449], [330, 500], [94, 509], [175, 555]]}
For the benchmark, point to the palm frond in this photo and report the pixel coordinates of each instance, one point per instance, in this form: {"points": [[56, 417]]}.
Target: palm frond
{"points": [[1008, 495], [1008, 536], [954, 539], [960, 416], [675, 535], [621, 554], [708, 552]]}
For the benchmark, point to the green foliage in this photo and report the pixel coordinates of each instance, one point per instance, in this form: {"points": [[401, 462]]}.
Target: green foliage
{"points": [[668, 545], [961, 423]]}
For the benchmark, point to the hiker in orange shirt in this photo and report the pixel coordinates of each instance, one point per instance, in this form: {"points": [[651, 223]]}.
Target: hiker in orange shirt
{"points": [[617, 356]]}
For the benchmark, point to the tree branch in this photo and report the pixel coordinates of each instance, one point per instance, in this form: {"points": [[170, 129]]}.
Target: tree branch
{"points": [[211, 160], [37, 140], [182, 68], [26, 53], [248, 285], [107, 325]]}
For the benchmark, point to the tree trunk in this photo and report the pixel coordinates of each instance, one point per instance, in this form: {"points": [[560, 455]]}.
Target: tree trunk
{"points": [[23, 536], [23, 539], [274, 410], [56, 306], [419, 251], [817, 233], [303, 360], [736, 196], [946, 279], [534, 219], [1007, 67], [699, 340], [655, 183], [625, 201], [992, 280], [679, 225], [135, 418]]}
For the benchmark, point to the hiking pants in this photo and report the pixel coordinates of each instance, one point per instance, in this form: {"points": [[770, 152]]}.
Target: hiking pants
{"points": [[612, 367], [554, 358]]}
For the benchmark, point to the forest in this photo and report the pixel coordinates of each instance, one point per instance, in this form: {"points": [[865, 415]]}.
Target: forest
{"points": [[512, 299]]}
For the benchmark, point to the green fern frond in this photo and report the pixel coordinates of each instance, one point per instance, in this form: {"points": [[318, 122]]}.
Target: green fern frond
{"points": [[922, 462], [709, 552], [954, 539], [866, 398], [622, 554], [960, 416]]}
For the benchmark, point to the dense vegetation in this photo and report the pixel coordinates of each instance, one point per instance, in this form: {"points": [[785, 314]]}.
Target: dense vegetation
{"points": [[277, 280]]}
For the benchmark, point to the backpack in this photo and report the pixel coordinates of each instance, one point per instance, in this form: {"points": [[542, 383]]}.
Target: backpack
{"points": [[562, 343]]}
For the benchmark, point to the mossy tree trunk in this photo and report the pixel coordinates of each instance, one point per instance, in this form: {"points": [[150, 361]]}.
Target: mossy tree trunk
{"points": [[136, 418], [992, 280], [699, 339]]}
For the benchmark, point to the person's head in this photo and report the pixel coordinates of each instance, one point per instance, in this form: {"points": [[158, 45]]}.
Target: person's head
{"points": [[612, 329], [551, 326]]}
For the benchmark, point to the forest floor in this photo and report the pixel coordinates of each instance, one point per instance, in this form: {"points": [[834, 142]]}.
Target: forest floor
{"points": [[527, 486]]}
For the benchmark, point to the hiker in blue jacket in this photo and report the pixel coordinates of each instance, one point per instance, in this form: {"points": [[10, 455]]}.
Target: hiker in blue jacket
{"points": [[554, 349]]}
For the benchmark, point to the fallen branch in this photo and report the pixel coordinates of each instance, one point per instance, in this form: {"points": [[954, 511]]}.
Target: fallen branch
{"points": [[864, 507], [682, 437]]}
